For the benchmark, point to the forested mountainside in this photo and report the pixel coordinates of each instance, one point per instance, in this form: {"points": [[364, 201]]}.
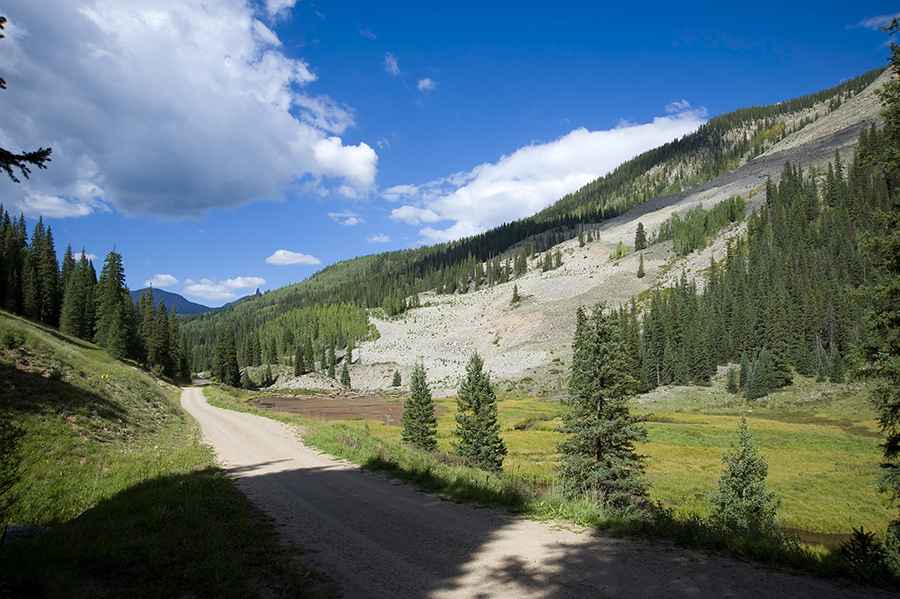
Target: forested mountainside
{"points": [[392, 280], [173, 301]]}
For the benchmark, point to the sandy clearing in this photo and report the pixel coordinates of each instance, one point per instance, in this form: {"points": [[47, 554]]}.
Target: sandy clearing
{"points": [[380, 538]]}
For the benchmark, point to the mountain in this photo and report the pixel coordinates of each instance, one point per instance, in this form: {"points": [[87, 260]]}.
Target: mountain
{"points": [[172, 301], [465, 286]]}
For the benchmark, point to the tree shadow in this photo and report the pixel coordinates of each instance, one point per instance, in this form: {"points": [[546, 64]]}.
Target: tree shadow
{"points": [[371, 536], [28, 392]]}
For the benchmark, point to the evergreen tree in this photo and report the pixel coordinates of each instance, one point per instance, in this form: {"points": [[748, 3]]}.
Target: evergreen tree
{"points": [[299, 362], [598, 457], [419, 422], [732, 383], [515, 295], [68, 268], [331, 361], [114, 312], [226, 367], [640, 238], [836, 374], [640, 270], [745, 371], [743, 502], [397, 381], [477, 428], [246, 383], [268, 379], [345, 374], [48, 277]]}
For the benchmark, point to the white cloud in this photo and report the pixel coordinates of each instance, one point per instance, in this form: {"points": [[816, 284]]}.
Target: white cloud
{"points": [[426, 85], [391, 65], [533, 177], [879, 21], [53, 206], [345, 218], [89, 256], [287, 257], [412, 215], [161, 280], [220, 291], [678, 106], [399, 192], [324, 113], [379, 238], [368, 33], [277, 8], [175, 83]]}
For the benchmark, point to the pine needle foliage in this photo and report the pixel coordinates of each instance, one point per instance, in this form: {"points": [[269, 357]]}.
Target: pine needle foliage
{"points": [[419, 422], [478, 439], [598, 457], [743, 502]]}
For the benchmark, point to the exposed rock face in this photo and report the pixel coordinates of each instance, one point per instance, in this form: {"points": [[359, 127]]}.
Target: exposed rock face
{"points": [[532, 339]]}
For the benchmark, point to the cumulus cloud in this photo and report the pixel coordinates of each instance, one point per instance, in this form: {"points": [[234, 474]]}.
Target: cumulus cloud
{"points": [[391, 66], [345, 218], [379, 238], [678, 106], [277, 8], [287, 257], [161, 280], [399, 192], [426, 85], [220, 291], [89, 256], [166, 107], [879, 21], [532, 177]]}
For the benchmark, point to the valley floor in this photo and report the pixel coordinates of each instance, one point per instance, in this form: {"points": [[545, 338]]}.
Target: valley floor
{"points": [[381, 538]]}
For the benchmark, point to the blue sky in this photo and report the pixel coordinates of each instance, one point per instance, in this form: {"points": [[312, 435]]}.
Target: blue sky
{"points": [[201, 140]]}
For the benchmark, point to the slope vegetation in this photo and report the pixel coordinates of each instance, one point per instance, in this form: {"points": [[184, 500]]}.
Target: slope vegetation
{"points": [[100, 454]]}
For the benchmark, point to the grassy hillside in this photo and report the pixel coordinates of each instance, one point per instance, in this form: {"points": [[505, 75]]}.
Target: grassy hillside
{"points": [[369, 281], [101, 453]]}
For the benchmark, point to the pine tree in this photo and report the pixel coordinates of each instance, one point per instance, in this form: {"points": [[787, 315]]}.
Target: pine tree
{"points": [[515, 295], [268, 379], [114, 311], [397, 381], [226, 367], [68, 268], [477, 428], [331, 361], [345, 374], [732, 384], [299, 362], [640, 270], [743, 502], [836, 374], [745, 371], [598, 457], [419, 422], [640, 238]]}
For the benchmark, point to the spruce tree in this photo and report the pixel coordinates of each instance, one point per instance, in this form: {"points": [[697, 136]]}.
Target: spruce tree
{"points": [[640, 270], [345, 374], [113, 328], [226, 367], [299, 362], [331, 361], [397, 381], [743, 502], [419, 422], [745, 371], [598, 457], [267, 376], [515, 295], [478, 439], [732, 383], [640, 238]]}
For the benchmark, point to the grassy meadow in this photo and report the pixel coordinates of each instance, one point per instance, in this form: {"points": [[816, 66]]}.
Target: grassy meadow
{"points": [[821, 442], [100, 454]]}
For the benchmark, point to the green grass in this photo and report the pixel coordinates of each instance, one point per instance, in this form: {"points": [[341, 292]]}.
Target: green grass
{"points": [[104, 457], [821, 442]]}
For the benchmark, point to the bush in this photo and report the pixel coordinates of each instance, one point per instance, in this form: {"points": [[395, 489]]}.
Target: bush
{"points": [[865, 557], [743, 503]]}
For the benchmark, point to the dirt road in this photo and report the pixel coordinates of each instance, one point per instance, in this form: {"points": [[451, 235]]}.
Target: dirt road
{"points": [[381, 538]]}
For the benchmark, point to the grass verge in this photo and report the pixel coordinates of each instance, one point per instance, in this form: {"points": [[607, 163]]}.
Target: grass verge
{"points": [[101, 454], [533, 494]]}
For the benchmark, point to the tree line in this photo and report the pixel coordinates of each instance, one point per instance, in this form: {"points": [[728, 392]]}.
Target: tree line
{"points": [[69, 296]]}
